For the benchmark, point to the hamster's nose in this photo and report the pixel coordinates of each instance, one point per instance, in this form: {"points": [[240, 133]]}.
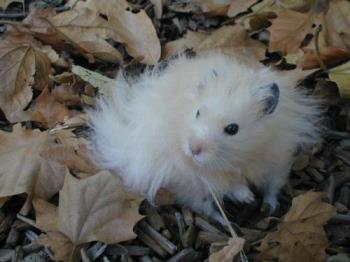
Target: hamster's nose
{"points": [[196, 148]]}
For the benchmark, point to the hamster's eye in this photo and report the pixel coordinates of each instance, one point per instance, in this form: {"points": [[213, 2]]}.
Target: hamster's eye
{"points": [[198, 113], [231, 129]]}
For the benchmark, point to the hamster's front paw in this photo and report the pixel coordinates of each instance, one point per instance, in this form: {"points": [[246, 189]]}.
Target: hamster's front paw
{"points": [[270, 205], [243, 194]]}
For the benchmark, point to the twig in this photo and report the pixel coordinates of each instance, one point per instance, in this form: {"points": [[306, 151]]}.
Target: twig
{"points": [[317, 48]]}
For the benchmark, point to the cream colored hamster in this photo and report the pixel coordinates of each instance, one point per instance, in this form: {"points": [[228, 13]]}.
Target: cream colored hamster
{"points": [[208, 120]]}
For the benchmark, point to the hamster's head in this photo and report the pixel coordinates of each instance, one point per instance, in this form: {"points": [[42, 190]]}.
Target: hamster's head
{"points": [[227, 123]]}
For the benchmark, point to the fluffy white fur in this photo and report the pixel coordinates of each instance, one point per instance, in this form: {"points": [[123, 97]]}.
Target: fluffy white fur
{"points": [[144, 132]]}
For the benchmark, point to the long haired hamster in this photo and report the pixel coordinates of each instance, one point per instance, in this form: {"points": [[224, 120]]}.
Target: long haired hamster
{"points": [[210, 120]]}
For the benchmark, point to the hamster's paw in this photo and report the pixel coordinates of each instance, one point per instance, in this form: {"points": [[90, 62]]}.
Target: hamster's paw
{"points": [[270, 205], [243, 194]]}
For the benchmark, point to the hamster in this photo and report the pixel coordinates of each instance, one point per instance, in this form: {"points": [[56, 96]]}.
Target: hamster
{"points": [[206, 121]]}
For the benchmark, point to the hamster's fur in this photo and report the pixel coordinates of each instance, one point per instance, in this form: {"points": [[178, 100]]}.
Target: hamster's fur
{"points": [[204, 121]]}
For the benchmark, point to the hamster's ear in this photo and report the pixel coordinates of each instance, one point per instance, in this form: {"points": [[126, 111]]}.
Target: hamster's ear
{"points": [[268, 97]]}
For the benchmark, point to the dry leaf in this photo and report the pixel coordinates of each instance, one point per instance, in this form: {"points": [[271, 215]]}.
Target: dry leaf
{"points": [[300, 236], [228, 253], [70, 151], [47, 110], [20, 59], [23, 170], [17, 63], [87, 31], [213, 7], [190, 40], [103, 83], [288, 31], [5, 3], [341, 76], [296, 5], [47, 221], [233, 40], [97, 209], [239, 6], [59, 244], [330, 56], [46, 215], [136, 31], [337, 23]]}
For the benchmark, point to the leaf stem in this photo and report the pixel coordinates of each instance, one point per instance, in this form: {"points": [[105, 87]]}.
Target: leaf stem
{"points": [[317, 48]]}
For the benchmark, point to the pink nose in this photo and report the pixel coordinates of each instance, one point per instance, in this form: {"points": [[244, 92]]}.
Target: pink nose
{"points": [[196, 148]]}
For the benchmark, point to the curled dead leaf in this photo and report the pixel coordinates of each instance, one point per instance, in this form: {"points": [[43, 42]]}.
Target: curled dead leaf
{"points": [[190, 40], [23, 170], [97, 209], [337, 23], [136, 31], [229, 251], [288, 31], [300, 236]]}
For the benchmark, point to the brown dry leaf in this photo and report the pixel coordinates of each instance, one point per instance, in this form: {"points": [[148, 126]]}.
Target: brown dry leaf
{"points": [[87, 31], [80, 28], [296, 5], [190, 40], [5, 3], [47, 110], [228, 253], [17, 63], [267, 6], [233, 40], [47, 221], [300, 236], [71, 151], [136, 31], [239, 6], [59, 244], [337, 24], [23, 170], [330, 56], [46, 215], [341, 76], [288, 31], [97, 209], [20, 59], [213, 7]]}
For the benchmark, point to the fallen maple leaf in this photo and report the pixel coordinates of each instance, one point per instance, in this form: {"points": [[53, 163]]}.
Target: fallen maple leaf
{"points": [[190, 40], [233, 40], [17, 63], [337, 21], [341, 76], [23, 170], [330, 56], [228, 252], [97, 208], [71, 151], [300, 236], [213, 7], [288, 31], [136, 31], [47, 110], [239, 6]]}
